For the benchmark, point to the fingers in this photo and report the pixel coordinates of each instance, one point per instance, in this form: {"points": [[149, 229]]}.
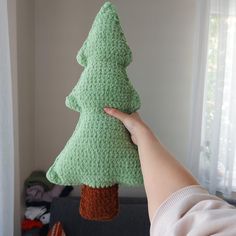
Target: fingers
{"points": [[116, 113]]}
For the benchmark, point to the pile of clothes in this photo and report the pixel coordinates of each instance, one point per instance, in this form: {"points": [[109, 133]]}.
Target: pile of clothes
{"points": [[39, 193]]}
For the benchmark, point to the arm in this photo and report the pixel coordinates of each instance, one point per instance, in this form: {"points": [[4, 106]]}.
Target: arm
{"points": [[162, 173]]}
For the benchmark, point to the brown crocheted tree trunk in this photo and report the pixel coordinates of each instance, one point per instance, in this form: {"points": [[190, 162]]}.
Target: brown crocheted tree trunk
{"points": [[99, 204]]}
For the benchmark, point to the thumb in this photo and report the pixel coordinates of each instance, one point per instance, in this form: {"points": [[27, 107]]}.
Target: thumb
{"points": [[116, 113], [126, 119]]}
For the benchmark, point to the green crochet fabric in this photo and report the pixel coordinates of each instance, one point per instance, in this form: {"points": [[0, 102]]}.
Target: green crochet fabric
{"points": [[100, 152]]}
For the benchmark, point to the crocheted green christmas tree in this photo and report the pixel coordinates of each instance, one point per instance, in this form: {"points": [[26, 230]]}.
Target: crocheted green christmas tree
{"points": [[100, 152]]}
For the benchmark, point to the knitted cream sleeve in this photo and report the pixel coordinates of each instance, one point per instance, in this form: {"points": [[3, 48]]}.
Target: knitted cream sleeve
{"points": [[193, 211]]}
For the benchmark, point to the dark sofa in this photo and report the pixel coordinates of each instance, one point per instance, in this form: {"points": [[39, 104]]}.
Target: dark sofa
{"points": [[132, 219]]}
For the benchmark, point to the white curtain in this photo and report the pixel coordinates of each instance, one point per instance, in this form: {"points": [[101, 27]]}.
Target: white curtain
{"points": [[212, 156], [6, 129]]}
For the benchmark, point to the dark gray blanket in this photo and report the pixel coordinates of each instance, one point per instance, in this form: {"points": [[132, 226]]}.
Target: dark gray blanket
{"points": [[132, 219]]}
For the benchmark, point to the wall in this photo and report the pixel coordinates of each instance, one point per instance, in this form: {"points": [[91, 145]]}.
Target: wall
{"points": [[12, 21], [160, 34], [25, 65]]}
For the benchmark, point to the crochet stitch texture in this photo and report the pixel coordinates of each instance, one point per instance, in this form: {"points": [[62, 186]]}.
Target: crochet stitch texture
{"points": [[100, 152]]}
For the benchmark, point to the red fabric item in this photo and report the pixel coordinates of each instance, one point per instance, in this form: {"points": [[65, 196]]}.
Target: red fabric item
{"points": [[27, 224], [56, 230]]}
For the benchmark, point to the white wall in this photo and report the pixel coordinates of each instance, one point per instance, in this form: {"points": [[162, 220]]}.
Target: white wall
{"points": [[25, 66], [13, 27], [160, 34]]}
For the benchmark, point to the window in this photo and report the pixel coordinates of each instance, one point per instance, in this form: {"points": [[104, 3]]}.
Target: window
{"points": [[217, 138]]}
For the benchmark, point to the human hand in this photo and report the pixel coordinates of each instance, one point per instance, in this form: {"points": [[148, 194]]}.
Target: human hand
{"points": [[133, 122]]}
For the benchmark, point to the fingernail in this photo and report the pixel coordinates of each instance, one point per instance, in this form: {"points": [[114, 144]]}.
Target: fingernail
{"points": [[106, 109]]}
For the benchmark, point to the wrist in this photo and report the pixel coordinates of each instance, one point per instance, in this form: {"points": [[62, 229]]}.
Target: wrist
{"points": [[145, 134]]}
